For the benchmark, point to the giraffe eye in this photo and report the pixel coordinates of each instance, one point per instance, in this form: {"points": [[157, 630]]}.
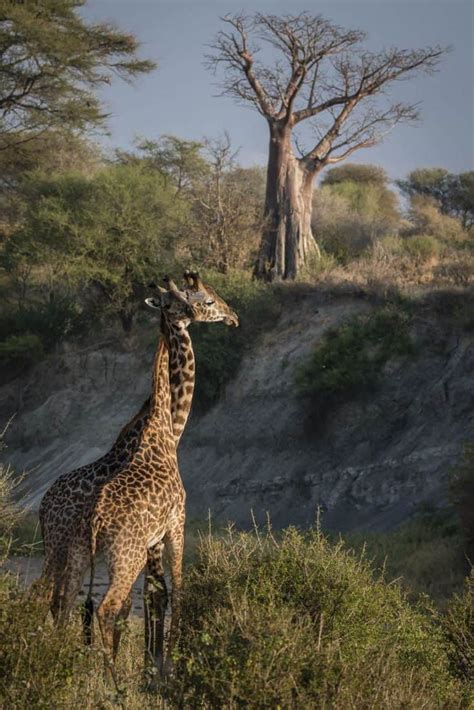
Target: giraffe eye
{"points": [[209, 303]]}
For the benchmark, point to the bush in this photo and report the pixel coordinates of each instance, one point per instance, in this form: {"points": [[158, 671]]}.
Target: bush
{"points": [[37, 663], [425, 554], [350, 359], [458, 627], [21, 349], [422, 247], [31, 331], [302, 623], [219, 349], [346, 224], [427, 218], [9, 514]]}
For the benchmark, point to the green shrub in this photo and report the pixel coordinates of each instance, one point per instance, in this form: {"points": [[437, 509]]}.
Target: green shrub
{"points": [[31, 331], [21, 349], [302, 623], [37, 663], [219, 349], [422, 247], [9, 513], [425, 554], [458, 627], [350, 359]]}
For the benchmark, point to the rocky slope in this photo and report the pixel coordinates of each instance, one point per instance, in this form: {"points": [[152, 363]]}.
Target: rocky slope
{"points": [[373, 464]]}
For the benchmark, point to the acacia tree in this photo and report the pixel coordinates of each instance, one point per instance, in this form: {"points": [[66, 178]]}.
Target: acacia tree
{"points": [[322, 73], [51, 63]]}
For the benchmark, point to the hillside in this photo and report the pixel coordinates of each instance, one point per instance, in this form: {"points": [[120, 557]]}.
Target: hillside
{"points": [[370, 464]]}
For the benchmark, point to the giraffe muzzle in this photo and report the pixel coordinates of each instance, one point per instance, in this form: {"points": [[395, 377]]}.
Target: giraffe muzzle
{"points": [[232, 319]]}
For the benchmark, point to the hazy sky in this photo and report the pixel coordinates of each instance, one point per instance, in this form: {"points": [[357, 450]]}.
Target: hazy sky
{"points": [[181, 96]]}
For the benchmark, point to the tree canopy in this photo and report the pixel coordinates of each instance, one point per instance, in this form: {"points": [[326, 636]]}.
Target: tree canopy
{"points": [[296, 69], [366, 174], [453, 193], [52, 61]]}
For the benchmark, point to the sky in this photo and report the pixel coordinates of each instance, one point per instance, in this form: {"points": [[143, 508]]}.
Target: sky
{"points": [[181, 96]]}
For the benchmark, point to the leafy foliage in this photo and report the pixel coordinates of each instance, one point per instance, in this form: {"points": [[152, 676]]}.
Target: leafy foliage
{"points": [[52, 61], [426, 554], [298, 622], [109, 233], [453, 193], [354, 172], [349, 216], [21, 349], [219, 349], [350, 359], [422, 247]]}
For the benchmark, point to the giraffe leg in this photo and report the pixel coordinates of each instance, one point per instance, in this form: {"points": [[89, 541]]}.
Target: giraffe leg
{"points": [[123, 572], [70, 582], [42, 590], [174, 542], [122, 617], [155, 597]]}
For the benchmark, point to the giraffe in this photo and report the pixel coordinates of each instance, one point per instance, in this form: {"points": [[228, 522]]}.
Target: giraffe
{"points": [[64, 503], [141, 506], [208, 307]]}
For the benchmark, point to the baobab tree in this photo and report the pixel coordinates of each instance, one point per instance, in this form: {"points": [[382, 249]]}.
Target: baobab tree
{"points": [[318, 73]]}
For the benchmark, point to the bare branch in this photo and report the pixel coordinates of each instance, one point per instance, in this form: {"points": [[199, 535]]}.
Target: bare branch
{"points": [[231, 49]]}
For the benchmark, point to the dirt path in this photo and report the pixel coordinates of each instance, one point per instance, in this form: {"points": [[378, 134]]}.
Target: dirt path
{"points": [[27, 569]]}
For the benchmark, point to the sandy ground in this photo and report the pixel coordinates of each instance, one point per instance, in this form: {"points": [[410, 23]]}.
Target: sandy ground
{"points": [[28, 569]]}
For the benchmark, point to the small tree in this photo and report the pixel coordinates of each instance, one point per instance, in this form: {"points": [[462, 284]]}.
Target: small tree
{"points": [[178, 159], [52, 61], [454, 194], [365, 187], [360, 174], [226, 210], [321, 72], [109, 234]]}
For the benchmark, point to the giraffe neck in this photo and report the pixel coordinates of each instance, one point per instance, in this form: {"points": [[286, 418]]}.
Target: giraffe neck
{"points": [[160, 404], [182, 374]]}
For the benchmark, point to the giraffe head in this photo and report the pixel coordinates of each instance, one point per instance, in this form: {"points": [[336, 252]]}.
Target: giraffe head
{"points": [[208, 307], [173, 303]]}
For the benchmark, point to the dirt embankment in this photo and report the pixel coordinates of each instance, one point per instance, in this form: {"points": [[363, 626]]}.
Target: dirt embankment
{"points": [[372, 465]]}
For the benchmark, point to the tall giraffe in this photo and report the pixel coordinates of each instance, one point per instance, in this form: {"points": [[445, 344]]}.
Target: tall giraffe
{"points": [[141, 506], [208, 307], [64, 503]]}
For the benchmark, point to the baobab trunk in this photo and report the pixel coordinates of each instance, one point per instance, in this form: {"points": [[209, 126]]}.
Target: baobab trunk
{"points": [[287, 242]]}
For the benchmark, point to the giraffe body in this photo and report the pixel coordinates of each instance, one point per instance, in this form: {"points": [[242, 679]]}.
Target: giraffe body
{"points": [[64, 506], [141, 506]]}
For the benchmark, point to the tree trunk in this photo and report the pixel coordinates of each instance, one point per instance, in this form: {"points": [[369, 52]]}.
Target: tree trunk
{"points": [[287, 242]]}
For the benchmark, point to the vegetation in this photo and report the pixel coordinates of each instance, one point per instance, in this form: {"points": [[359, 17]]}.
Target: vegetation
{"points": [[289, 620], [427, 555], [454, 194], [52, 63], [219, 350], [301, 622], [267, 621], [323, 76], [353, 209], [349, 360]]}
